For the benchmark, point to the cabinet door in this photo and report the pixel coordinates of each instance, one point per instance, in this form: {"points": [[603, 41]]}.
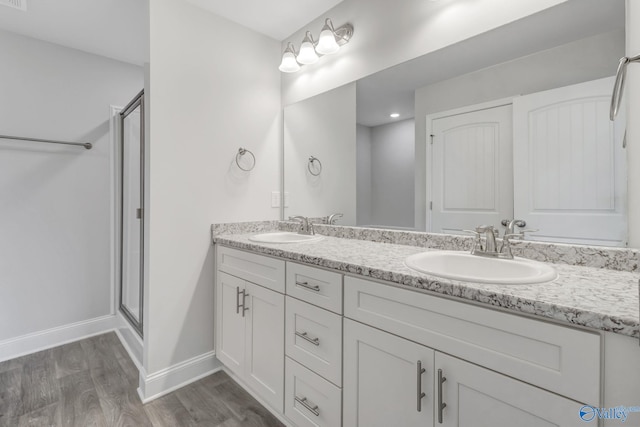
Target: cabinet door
{"points": [[478, 397], [230, 342], [382, 381], [264, 370]]}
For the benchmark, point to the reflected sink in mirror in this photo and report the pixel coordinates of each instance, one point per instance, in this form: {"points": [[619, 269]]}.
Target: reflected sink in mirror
{"points": [[472, 268], [284, 237]]}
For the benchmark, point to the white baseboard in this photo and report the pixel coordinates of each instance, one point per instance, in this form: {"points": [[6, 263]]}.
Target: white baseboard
{"points": [[130, 340], [179, 375], [42, 340]]}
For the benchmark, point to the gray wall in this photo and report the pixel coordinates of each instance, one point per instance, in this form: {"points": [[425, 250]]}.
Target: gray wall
{"points": [[363, 175], [391, 155], [56, 211]]}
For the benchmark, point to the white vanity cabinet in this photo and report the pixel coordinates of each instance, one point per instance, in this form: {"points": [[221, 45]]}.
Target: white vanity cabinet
{"points": [[250, 321], [313, 347]]}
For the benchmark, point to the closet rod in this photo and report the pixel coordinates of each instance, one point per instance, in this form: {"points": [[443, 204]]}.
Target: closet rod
{"points": [[86, 145]]}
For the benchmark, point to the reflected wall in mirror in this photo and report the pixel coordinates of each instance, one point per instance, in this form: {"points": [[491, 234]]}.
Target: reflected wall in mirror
{"points": [[477, 168]]}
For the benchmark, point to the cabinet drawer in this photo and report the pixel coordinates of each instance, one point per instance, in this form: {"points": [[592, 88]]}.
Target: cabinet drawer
{"points": [[310, 400], [313, 285], [556, 358], [258, 269], [314, 339]]}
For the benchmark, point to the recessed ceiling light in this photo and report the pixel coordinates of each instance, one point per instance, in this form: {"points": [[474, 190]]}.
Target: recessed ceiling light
{"points": [[394, 115]]}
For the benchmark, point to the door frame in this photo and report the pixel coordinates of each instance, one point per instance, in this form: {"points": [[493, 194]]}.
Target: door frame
{"points": [[429, 144], [137, 101]]}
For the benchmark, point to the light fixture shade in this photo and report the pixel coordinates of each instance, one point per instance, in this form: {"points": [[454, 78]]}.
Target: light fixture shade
{"points": [[289, 63], [327, 43], [307, 54]]}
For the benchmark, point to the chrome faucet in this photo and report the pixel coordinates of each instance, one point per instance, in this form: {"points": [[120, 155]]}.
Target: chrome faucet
{"points": [[488, 247], [331, 219], [306, 226]]}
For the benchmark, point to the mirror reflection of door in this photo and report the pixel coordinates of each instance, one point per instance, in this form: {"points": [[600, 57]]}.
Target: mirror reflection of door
{"points": [[132, 213], [472, 170]]}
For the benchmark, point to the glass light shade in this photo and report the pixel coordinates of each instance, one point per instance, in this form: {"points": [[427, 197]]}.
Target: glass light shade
{"points": [[327, 43], [289, 63], [307, 54]]}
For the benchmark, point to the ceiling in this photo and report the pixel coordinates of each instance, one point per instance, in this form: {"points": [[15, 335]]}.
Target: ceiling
{"points": [[116, 29], [119, 29], [277, 19], [392, 90]]}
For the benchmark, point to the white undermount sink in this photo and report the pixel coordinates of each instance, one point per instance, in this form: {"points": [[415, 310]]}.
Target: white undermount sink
{"points": [[472, 268], [284, 237]]}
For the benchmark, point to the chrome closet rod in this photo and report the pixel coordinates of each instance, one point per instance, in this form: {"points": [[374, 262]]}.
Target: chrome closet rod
{"points": [[86, 145]]}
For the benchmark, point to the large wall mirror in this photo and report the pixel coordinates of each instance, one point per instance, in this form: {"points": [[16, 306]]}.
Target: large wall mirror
{"points": [[511, 124]]}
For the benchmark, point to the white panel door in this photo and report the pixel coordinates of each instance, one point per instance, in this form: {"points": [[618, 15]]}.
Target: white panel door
{"points": [[381, 379], [471, 170], [230, 342], [264, 370], [569, 164], [478, 397]]}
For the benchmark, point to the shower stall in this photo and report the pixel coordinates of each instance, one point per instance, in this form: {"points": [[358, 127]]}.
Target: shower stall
{"points": [[132, 169]]}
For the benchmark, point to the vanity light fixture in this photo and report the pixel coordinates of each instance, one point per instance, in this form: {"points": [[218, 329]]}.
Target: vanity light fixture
{"points": [[289, 63], [307, 55], [329, 42]]}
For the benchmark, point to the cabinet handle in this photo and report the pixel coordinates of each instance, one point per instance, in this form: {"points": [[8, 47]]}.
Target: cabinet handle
{"points": [[441, 404], [238, 299], [420, 393], [308, 286], [313, 409], [304, 336], [244, 302]]}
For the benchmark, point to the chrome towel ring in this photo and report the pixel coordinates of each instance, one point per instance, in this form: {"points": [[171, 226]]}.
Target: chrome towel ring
{"points": [[311, 166], [242, 152]]}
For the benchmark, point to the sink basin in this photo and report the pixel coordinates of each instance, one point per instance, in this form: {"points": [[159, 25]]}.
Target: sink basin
{"points": [[284, 237], [472, 268]]}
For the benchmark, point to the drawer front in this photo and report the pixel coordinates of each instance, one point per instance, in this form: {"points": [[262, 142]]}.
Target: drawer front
{"points": [[315, 286], [314, 339], [258, 269], [310, 400], [556, 358]]}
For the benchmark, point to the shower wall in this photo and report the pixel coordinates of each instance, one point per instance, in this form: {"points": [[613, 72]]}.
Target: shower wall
{"points": [[56, 202]]}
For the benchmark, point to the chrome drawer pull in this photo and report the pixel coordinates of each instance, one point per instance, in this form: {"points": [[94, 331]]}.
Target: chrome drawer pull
{"points": [[441, 405], [238, 305], [420, 393], [244, 302], [308, 286], [304, 336], [312, 409]]}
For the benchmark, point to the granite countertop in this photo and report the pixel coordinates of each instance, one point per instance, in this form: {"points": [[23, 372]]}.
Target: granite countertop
{"points": [[596, 298]]}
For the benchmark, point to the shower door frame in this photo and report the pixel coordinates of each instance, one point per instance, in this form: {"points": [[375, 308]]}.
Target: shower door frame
{"points": [[137, 101]]}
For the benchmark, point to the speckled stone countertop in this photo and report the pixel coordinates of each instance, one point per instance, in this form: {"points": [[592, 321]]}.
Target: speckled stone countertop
{"points": [[596, 298]]}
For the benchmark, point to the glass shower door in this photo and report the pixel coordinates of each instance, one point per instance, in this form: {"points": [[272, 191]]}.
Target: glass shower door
{"points": [[132, 211]]}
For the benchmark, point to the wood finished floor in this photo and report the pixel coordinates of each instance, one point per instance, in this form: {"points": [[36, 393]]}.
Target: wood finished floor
{"points": [[93, 383]]}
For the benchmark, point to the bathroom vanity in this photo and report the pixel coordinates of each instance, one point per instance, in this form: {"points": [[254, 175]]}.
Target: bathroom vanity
{"points": [[340, 332]]}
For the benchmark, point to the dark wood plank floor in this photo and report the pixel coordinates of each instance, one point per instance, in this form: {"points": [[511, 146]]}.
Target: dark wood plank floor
{"points": [[93, 383]]}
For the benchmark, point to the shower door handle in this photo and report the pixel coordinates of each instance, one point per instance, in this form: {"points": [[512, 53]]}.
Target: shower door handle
{"points": [[139, 213]]}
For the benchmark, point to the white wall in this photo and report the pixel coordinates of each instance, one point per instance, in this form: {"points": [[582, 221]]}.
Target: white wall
{"points": [[587, 59], [392, 180], [55, 207], [323, 126], [363, 175], [632, 96], [390, 32], [214, 87]]}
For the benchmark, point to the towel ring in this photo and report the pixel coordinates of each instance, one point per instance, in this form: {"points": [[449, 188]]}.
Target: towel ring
{"points": [[242, 152], [312, 160]]}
